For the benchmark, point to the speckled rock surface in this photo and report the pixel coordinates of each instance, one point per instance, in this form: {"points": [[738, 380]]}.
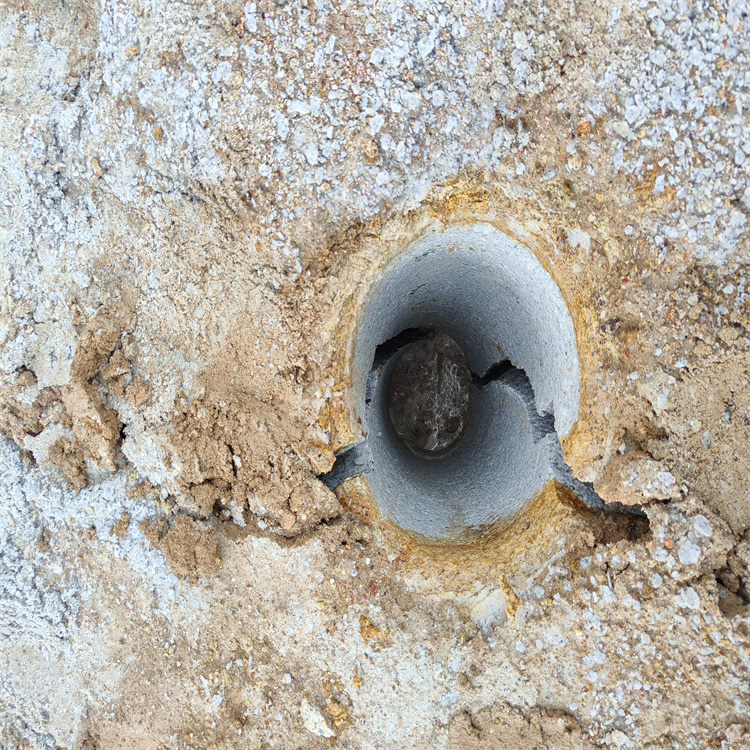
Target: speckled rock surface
{"points": [[196, 200]]}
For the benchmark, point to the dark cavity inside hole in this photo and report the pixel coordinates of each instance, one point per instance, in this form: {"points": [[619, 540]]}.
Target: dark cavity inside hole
{"points": [[429, 395]]}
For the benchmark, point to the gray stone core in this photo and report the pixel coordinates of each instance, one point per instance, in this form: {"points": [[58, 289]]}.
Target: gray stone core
{"points": [[429, 396], [495, 300]]}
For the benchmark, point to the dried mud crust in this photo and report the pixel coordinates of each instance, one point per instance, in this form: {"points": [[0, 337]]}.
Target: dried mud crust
{"points": [[505, 728], [189, 547], [92, 430], [239, 453]]}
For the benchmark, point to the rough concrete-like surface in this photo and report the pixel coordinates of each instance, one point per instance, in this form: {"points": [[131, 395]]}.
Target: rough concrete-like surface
{"points": [[196, 200]]}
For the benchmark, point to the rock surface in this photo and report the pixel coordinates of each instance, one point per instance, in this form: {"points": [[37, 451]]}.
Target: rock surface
{"points": [[196, 200]]}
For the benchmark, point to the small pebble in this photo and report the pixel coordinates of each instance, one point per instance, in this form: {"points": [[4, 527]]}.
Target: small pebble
{"points": [[702, 526], [689, 553]]}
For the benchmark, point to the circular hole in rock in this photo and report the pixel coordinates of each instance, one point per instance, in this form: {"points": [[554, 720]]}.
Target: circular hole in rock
{"points": [[491, 297]]}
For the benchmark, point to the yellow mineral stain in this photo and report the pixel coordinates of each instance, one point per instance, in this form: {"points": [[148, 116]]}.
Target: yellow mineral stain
{"points": [[515, 545]]}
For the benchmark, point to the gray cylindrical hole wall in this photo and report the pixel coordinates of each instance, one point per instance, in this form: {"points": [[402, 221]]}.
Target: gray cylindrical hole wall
{"points": [[495, 299]]}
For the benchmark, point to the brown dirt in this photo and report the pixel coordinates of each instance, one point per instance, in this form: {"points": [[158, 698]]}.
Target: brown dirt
{"points": [[239, 451], [190, 548], [120, 527], [65, 456], [502, 727]]}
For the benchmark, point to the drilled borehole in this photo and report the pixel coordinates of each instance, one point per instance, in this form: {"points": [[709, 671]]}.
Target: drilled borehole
{"points": [[452, 443], [428, 395]]}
